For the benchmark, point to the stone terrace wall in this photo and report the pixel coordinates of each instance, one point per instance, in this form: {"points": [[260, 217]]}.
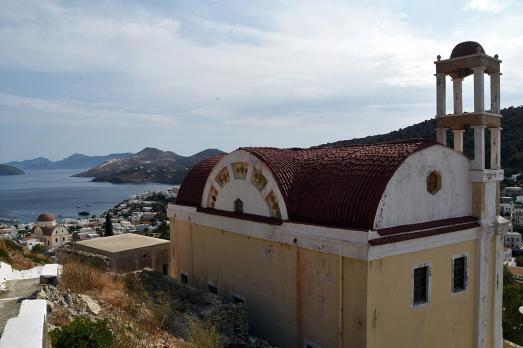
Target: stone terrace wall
{"points": [[66, 254]]}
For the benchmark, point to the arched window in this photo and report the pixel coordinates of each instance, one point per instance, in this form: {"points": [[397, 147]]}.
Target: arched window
{"points": [[238, 206]]}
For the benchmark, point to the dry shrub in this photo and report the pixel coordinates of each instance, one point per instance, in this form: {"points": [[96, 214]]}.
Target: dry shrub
{"points": [[21, 263], [204, 335], [60, 317], [80, 277], [4, 254]]}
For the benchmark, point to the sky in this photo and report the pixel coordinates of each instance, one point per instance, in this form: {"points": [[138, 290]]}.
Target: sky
{"points": [[99, 77]]}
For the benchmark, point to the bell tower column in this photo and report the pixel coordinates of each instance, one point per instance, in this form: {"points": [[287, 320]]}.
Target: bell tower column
{"points": [[469, 58]]}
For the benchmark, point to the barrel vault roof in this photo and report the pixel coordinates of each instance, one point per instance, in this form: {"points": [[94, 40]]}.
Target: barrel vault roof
{"points": [[332, 186]]}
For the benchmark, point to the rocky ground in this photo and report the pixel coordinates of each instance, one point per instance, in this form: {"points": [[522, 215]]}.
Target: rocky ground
{"points": [[165, 314]]}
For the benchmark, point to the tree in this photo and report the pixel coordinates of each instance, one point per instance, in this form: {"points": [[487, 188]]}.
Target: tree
{"points": [[163, 230], [512, 299], [108, 226]]}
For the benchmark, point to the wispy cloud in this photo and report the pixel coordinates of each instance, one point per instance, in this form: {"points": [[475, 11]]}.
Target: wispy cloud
{"points": [[18, 109], [492, 6], [312, 68]]}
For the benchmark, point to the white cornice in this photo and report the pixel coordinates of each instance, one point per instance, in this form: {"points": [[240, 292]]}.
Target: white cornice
{"points": [[337, 241]]}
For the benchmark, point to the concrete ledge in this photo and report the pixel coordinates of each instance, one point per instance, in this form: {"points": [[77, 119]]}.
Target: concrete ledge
{"points": [[29, 329]]}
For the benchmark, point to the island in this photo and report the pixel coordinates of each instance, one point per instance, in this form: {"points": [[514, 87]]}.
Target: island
{"points": [[10, 170]]}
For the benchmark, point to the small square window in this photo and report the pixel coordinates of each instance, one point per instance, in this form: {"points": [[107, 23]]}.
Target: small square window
{"points": [[184, 277], [459, 273], [237, 299], [309, 344], [420, 291], [212, 289]]}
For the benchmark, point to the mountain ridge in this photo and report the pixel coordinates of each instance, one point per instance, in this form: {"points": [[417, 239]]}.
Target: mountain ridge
{"points": [[511, 138], [148, 165], [6, 169], [74, 161]]}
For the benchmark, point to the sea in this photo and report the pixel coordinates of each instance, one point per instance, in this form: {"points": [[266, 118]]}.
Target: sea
{"points": [[24, 197]]}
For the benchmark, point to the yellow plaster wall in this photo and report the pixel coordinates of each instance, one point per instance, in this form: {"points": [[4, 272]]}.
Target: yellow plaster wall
{"points": [[448, 320], [291, 292]]}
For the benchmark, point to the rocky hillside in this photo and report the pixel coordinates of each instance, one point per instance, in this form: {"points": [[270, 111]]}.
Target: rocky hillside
{"points": [[511, 145], [148, 165], [9, 170], [75, 161]]}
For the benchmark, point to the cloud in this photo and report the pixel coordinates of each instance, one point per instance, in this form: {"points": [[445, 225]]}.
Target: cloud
{"points": [[316, 69], [16, 109], [487, 6]]}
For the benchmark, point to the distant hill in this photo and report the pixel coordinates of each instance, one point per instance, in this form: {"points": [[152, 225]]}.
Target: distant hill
{"points": [[9, 170], [511, 138], [148, 165], [75, 161]]}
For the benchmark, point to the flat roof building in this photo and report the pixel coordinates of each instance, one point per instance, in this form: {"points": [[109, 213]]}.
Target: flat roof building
{"points": [[129, 252]]}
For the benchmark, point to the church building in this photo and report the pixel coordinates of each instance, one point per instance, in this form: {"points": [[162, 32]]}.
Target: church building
{"points": [[395, 244], [47, 231]]}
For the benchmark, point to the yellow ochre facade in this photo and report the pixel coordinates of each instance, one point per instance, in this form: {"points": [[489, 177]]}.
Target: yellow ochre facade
{"points": [[293, 294], [396, 244]]}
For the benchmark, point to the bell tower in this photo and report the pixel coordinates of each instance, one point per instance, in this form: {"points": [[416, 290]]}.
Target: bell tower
{"points": [[469, 59]]}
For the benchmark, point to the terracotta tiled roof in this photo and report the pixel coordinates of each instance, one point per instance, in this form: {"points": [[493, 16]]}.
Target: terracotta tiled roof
{"points": [[46, 231], [45, 217], [191, 190], [516, 271], [336, 186]]}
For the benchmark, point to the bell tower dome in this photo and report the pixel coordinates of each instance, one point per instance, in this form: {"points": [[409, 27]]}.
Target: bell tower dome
{"points": [[469, 59]]}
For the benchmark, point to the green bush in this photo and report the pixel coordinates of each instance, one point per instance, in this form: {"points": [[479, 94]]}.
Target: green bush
{"points": [[13, 245], [512, 299], [82, 333], [4, 256], [37, 259], [39, 249]]}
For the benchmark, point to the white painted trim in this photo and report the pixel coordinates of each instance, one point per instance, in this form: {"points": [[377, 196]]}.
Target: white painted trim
{"points": [[427, 264], [466, 255], [498, 294], [482, 287], [337, 241], [172, 208], [413, 245], [486, 175]]}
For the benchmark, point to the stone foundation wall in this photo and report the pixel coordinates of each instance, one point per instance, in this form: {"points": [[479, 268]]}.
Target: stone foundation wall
{"points": [[66, 254]]}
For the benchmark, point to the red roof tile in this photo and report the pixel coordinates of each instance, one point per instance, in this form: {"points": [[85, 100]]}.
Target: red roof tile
{"points": [[335, 186], [44, 217], [46, 231], [516, 271], [191, 190]]}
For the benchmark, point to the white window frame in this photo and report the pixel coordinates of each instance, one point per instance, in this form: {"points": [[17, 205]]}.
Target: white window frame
{"points": [[308, 343], [467, 262], [239, 297], [184, 274], [214, 285], [429, 284]]}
